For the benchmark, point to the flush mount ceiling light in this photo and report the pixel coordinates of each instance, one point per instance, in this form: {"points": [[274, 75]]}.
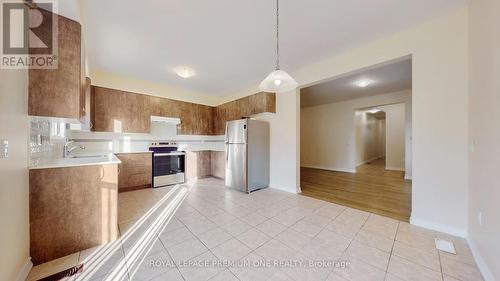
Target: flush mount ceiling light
{"points": [[363, 83], [374, 110], [278, 80], [184, 71]]}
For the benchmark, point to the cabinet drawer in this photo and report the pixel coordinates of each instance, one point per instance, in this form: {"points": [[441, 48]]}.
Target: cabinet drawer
{"points": [[136, 180], [136, 170]]}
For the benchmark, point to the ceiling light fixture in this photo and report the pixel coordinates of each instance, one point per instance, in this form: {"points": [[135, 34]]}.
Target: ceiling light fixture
{"points": [[184, 71], [363, 83], [278, 80]]}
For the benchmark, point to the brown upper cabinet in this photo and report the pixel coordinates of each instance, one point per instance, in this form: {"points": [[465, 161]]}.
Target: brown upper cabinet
{"points": [[136, 114], [165, 107], [262, 102], [58, 92], [119, 111], [196, 119], [115, 109], [244, 107]]}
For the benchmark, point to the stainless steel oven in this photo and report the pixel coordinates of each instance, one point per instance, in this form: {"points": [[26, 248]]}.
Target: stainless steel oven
{"points": [[168, 164]]}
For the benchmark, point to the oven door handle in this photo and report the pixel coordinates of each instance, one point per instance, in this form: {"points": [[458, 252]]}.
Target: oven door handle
{"points": [[168, 154]]}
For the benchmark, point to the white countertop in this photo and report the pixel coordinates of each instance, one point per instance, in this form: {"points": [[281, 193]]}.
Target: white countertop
{"points": [[76, 162], [130, 152]]}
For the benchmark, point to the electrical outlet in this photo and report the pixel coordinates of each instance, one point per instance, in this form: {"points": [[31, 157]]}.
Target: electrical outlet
{"points": [[480, 218]]}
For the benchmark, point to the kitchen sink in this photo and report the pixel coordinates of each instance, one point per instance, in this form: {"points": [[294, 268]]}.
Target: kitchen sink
{"points": [[87, 156]]}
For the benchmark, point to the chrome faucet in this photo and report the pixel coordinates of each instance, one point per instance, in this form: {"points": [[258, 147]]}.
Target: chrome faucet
{"points": [[67, 150]]}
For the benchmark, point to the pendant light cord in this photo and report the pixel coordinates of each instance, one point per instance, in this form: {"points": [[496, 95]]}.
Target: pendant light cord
{"points": [[277, 34]]}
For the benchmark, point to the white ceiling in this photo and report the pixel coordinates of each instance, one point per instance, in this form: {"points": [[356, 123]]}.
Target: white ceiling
{"points": [[387, 78], [230, 43]]}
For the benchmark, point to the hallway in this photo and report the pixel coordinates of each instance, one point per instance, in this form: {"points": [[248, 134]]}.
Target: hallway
{"points": [[372, 189]]}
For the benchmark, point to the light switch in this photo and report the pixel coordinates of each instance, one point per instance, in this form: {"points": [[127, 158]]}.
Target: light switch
{"points": [[4, 148], [472, 146]]}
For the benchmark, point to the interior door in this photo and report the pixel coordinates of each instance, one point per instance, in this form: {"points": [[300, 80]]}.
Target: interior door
{"points": [[236, 166]]}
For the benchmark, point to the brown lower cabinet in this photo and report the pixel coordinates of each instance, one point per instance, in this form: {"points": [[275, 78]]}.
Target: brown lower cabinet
{"points": [[218, 164], [198, 165], [202, 164], [135, 171], [72, 209]]}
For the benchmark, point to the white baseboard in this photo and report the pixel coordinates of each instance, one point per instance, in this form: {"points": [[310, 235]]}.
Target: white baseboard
{"points": [[369, 160], [191, 181], [285, 188], [394, 168], [481, 263], [439, 227], [25, 270], [330, 168]]}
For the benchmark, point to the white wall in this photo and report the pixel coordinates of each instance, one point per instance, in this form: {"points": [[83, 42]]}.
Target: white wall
{"points": [[328, 131], [14, 190], [484, 98], [395, 126], [369, 137], [285, 142], [439, 50]]}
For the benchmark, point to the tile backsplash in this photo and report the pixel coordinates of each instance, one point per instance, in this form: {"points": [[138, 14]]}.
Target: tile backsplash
{"points": [[48, 136], [46, 140]]}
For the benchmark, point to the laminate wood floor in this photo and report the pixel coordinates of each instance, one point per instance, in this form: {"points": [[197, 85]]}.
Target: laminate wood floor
{"points": [[371, 188]]}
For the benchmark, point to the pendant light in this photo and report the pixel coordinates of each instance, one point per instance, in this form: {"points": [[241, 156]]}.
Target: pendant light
{"points": [[278, 80]]}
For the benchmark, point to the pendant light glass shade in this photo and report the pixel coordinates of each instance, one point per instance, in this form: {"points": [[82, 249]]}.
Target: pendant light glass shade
{"points": [[278, 81]]}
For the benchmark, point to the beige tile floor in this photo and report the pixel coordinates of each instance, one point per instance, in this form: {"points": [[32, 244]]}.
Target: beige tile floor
{"points": [[206, 232]]}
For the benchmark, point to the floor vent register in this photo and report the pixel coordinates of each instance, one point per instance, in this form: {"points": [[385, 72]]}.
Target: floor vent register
{"points": [[445, 246], [64, 274]]}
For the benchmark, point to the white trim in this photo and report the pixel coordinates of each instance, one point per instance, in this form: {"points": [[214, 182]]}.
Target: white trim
{"points": [[369, 160], [330, 168], [285, 188], [408, 176], [25, 270], [391, 168], [481, 263], [191, 181], [439, 227]]}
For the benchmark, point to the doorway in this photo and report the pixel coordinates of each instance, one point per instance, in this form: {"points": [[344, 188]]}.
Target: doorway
{"points": [[356, 140]]}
